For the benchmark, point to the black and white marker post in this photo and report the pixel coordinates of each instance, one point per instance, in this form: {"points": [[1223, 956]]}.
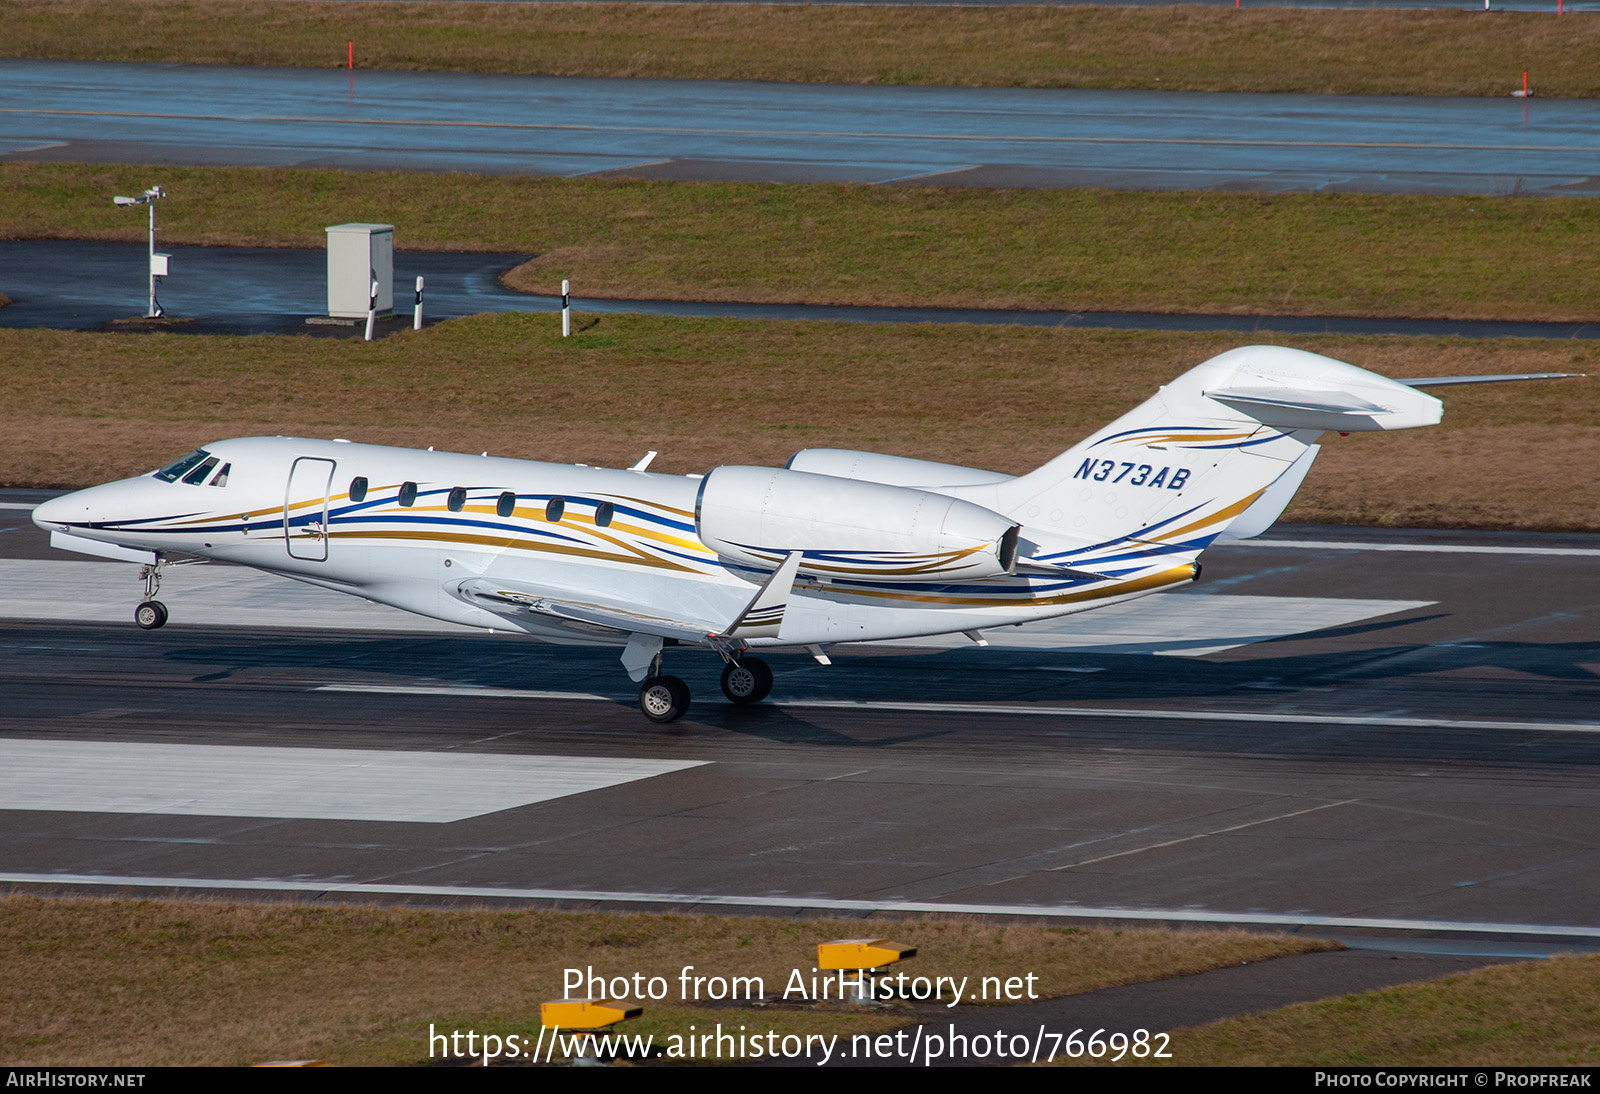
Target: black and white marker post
{"points": [[416, 312], [566, 311], [372, 309]]}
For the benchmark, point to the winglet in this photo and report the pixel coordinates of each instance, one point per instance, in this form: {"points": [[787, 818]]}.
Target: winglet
{"points": [[644, 461], [763, 616]]}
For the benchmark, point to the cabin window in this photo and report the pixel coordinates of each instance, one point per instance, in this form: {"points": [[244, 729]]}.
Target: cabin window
{"points": [[198, 475], [457, 499], [358, 488], [603, 514], [408, 493], [506, 505], [553, 511], [178, 467], [221, 477]]}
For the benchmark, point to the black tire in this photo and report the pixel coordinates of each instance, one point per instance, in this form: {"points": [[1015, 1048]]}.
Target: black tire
{"points": [[747, 680], [150, 615], [663, 698]]}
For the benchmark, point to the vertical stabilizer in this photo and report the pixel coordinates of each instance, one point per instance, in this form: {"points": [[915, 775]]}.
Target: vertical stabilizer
{"points": [[1159, 484]]}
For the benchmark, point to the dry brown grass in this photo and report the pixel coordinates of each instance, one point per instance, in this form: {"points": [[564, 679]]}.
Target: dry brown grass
{"points": [[1178, 48], [148, 982], [84, 408], [1530, 1014]]}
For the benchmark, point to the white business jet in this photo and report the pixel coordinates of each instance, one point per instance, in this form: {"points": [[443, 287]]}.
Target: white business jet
{"points": [[837, 546]]}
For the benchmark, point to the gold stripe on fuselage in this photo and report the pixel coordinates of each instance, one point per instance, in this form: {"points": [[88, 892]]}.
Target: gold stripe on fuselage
{"points": [[639, 558]]}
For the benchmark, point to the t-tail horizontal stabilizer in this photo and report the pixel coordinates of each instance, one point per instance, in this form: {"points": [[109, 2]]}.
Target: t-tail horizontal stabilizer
{"points": [[1449, 381]]}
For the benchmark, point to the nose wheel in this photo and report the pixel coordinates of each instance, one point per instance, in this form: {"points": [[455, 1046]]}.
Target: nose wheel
{"points": [[150, 614], [663, 698], [747, 680]]}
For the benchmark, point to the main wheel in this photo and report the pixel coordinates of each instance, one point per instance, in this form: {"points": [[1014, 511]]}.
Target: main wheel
{"points": [[150, 615], [747, 680], [663, 698]]}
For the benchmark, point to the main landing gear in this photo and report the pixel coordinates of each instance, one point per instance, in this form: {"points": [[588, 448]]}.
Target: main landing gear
{"points": [[663, 698], [150, 613], [666, 698], [747, 680]]}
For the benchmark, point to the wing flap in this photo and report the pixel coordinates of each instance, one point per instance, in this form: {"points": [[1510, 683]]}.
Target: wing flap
{"points": [[512, 597]]}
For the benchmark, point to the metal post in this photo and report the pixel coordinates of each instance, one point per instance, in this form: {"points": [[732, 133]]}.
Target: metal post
{"points": [[150, 262], [372, 309], [152, 310], [566, 311], [416, 313]]}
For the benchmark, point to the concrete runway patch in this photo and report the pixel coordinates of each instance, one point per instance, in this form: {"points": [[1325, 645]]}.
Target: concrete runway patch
{"points": [[325, 783]]}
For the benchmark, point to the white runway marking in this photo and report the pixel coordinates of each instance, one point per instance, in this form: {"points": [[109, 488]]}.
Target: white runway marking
{"points": [[28, 505], [321, 783], [1420, 548], [1385, 720], [825, 904], [1185, 624]]}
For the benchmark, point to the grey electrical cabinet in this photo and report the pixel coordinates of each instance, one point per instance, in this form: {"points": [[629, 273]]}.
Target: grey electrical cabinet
{"points": [[358, 255]]}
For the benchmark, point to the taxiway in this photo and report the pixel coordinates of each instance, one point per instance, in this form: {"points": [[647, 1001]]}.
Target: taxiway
{"points": [[766, 132]]}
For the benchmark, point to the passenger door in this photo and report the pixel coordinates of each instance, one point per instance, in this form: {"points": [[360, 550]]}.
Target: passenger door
{"points": [[305, 508]]}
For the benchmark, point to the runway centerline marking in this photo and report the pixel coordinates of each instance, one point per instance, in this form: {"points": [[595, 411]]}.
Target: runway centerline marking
{"points": [[1218, 142], [1202, 835], [830, 904], [1004, 708]]}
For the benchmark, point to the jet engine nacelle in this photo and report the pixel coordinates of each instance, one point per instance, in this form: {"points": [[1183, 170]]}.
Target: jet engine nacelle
{"points": [[893, 470], [754, 516]]}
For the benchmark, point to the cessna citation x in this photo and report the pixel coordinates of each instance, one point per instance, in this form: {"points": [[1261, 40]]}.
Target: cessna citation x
{"points": [[837, 546]]}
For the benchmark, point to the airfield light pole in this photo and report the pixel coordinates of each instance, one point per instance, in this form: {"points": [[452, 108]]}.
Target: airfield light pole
{"points": [[149, 198]]}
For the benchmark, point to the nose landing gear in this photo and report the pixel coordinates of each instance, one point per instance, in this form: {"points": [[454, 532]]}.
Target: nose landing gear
{"points": [[150, 613]]}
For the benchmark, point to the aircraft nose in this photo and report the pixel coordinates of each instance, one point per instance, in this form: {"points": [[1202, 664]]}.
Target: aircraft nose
{"points": [[58, 513]]}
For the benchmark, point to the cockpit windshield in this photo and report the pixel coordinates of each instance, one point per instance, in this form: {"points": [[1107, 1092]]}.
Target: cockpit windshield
{"points": [[198, 475], [177, 468]]}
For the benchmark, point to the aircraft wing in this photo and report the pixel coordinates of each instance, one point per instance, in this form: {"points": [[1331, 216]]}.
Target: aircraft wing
{"points": [[509, 597], [761, 618]]}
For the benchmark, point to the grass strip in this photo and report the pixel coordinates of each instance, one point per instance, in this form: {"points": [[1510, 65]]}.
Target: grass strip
{"points": [[1174, 49], [1529, 1014], [153, 983], [1302, 254], [85, 407]]}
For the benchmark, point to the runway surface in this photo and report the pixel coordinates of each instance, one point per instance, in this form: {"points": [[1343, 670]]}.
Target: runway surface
{"points": [[1424, 771], [687, 129], [90, 285]]}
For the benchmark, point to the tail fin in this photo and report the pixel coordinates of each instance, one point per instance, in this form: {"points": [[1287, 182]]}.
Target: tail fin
{"points": [[1162, 482]]}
